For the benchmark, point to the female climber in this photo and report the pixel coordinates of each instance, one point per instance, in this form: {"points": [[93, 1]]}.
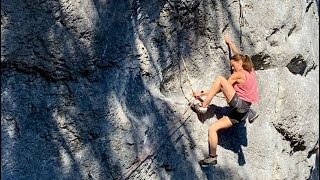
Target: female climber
{"points": [[240, 90]]}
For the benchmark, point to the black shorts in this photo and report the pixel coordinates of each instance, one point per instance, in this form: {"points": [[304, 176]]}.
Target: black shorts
{"points": [[239, 109]]}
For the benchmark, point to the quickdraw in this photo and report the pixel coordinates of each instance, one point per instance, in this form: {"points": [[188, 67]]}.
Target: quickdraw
{"points": [[242, 21]]}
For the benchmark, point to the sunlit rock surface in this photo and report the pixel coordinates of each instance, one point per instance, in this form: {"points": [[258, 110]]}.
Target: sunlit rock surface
{"points": [[99, 89]]}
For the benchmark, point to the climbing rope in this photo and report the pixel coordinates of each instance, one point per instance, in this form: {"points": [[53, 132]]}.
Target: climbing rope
{"points": [[188, 79], [173, 127]]}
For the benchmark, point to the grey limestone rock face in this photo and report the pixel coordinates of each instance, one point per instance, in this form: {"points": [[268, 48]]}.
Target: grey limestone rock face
{"points": [[100, 89]]}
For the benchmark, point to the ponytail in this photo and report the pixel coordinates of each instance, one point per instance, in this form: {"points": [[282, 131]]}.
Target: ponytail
{"points": [[246, 61]]}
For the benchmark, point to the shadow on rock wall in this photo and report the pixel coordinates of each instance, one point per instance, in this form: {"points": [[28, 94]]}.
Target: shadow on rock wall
{"points": [[74, 100], [232, 138]]}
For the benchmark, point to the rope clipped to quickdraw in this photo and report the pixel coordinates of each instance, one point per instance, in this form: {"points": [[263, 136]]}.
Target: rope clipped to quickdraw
{"points": [[242, 21], [241, 17]]}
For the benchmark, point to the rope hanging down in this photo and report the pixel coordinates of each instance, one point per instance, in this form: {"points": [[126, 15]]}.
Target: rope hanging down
{"points": [[156, 147], [188, 78]]}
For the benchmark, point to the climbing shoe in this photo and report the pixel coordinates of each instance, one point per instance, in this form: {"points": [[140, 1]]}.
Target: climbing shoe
{"points": [[252, 115], [208, 161], [197, 108]]}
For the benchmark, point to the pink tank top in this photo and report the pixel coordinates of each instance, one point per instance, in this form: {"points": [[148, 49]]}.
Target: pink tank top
{"points": [[248, 91]]}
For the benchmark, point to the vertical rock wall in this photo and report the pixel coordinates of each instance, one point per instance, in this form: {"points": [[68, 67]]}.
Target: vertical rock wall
{"points": [[98, 89]]}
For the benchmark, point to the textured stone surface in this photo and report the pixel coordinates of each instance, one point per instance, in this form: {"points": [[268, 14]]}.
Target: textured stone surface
{"points": [[88, 87]]}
